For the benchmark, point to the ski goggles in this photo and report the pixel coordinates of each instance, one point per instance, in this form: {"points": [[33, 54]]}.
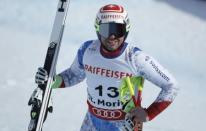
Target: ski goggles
{"points": [[108, 29]]}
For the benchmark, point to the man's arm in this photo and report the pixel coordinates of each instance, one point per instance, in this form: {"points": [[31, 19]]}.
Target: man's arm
{"points": [[151, 70], [73, 75]]}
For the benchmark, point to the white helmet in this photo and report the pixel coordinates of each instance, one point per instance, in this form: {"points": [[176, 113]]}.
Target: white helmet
{"points": [[112, 20]]}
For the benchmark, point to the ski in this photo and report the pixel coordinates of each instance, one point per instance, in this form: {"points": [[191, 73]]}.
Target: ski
{"points": [[40, 103]]}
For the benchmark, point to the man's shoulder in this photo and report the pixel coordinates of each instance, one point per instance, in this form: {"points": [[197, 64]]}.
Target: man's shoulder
{"points": [[133, 48], [86, 45], [137, 54], [89, 42]]}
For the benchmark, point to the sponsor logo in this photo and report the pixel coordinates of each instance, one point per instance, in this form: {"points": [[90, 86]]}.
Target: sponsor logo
{"points": [[112, 17], [159, 71], [52, 44], [112, 8], [147, 58], [61, 9], [130, 56], [106, 72], [92, 49], [108, 114]]}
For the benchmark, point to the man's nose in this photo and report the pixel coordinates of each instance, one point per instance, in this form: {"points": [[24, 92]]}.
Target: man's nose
{"points": [[111, 37]]}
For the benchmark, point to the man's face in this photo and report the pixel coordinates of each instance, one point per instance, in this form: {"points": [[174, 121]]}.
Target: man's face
{"points": [[111, 43]]}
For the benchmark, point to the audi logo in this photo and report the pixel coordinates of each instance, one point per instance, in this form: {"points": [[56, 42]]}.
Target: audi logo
{"points": [[115, 114]]}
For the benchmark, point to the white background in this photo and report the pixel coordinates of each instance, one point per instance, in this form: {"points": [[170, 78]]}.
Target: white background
{"points": [[172, 31]]}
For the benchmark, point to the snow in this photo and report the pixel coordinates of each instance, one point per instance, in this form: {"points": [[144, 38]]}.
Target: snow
{"points": [[173, 31]]}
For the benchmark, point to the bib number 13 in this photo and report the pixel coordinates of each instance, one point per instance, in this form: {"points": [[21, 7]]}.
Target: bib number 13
{"points": [[111, 91]]}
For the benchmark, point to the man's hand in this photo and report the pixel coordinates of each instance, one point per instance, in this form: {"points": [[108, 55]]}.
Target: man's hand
{"points": [[134, 119], [138, 114]]}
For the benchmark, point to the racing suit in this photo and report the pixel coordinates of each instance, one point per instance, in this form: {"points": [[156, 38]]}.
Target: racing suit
{"points": [[104, 72]]}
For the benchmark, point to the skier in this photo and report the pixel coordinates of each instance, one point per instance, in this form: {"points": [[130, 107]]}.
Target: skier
{"points": [[105, 62]]}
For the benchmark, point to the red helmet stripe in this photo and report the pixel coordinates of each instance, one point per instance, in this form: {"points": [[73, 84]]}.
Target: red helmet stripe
{"points": [[112, 8]]}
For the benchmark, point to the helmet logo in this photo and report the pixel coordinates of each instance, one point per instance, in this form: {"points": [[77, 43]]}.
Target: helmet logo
{"points": [[112, 17], [112, 8]]}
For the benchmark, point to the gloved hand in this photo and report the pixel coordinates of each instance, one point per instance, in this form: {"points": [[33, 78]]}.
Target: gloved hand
{"points": [[138, 114], [133, 119], [41, 76]]}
